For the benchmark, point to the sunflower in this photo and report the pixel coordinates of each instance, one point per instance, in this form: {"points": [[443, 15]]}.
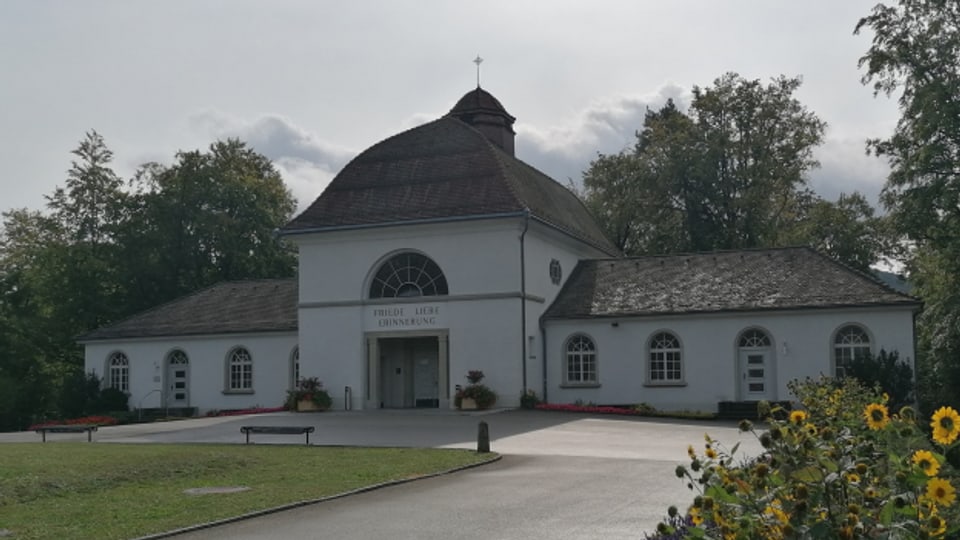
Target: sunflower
{"points": [[798, 417], [691, 452], [711, 453], [877, 416], [695, 516], [936, 526], [946, 425], [940, 491], [925, 460]]}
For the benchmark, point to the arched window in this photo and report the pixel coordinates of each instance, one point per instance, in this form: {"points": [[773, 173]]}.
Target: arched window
{"points": [[850, 342], [754, 339], [408, 275], [581, 360], [666, 359], [295, 367], [178, 358], [118, 372], [239, 370]]}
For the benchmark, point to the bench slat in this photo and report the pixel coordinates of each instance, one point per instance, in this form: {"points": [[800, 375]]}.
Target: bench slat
{"points": [[67, 428], [278, 430]]}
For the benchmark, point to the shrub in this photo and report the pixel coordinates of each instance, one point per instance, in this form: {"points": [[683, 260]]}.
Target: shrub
{"points": [[481, 394], [79, 395], [894, 376], [841, 467], [529, 399], [112, 399], [308, 389]]}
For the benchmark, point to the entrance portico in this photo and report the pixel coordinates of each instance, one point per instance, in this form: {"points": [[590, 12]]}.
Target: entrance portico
{"points": [[407, 369]]}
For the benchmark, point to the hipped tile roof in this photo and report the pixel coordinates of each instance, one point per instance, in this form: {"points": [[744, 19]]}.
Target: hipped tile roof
{"points": [[444, 169], [751, 280], [268, 305]]}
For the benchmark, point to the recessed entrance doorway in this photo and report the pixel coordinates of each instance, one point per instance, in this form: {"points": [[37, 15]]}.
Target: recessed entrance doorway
{"points": [[409, 370]]}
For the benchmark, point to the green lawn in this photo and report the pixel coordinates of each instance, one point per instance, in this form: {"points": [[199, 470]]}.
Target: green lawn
{"points": [[83, 490]]}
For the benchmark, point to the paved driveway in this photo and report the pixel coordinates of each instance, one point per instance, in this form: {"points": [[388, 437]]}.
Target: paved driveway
{"points": [[566, 476]]}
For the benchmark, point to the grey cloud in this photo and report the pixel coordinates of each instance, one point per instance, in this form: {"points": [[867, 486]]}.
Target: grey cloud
{"points": [[275, 137], [306, 163], [306, 180], [845, 168], [607, 126]]}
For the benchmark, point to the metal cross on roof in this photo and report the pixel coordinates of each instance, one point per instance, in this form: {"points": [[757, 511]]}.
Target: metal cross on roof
{"points": [[478, 61]]}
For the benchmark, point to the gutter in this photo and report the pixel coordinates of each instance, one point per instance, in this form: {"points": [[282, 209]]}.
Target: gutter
{"points": [[361, 226], [525, 214]]}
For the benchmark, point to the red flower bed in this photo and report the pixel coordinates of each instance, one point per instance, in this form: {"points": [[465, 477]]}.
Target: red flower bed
{"points": [[91, 420], [568, 407]]}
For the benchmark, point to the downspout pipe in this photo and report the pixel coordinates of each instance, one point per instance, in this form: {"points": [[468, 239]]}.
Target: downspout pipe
{"points": [[523, 298], [543, 358]]}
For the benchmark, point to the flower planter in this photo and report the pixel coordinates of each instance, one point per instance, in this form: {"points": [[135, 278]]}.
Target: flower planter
{"points": [[468, 404], [306, 405]]}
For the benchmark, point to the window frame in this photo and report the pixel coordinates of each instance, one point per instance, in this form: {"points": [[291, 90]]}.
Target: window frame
{"points": [[743, 337], [118, 374], [244, 367], [387, 283], [853, 349], [664, 351], [585, 380]]}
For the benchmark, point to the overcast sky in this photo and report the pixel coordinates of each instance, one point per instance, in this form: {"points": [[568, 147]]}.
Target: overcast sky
{"points": [[312, 83]]}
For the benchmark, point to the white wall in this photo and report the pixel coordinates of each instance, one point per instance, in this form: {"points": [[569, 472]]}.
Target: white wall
{"points": [[207, 358], [476, 257], [709, 345], [541, 246], [481, 316], [481, 334]]}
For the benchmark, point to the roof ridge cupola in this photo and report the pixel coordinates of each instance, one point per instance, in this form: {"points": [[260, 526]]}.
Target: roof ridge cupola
{"points": [[479, 109]]}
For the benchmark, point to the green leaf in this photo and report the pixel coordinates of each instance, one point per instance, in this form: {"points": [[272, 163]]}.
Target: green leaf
{"points": [[808, 474], [886, 513]]}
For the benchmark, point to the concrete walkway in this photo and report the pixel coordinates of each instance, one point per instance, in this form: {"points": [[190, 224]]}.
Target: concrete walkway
{"points": [[562, 476]]}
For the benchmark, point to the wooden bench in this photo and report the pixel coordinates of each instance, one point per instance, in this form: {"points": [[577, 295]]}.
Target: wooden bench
{"points": [[76, 428], [278, 430]]}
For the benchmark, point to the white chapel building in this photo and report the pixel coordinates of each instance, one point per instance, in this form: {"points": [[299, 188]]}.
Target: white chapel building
{"points": [[437, 251]]}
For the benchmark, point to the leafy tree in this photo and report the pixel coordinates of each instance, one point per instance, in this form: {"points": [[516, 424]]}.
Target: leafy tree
{"points": [[916, 52], [100, 253], [209, 217], [88, 209], [846, 229], [90, 203], [728, 173]]}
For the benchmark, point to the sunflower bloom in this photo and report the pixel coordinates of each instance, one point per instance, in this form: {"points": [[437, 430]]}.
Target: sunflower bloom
{"points": [[711, 453], [877, 416], [927, 463], [936, 526], [695, 516], [798, 417], [946, 425], [691, 452], [940, 491]]}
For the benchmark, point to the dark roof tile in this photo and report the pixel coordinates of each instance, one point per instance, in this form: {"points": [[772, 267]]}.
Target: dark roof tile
{"points": [[751, 280], [443, 169], [268, 305]]}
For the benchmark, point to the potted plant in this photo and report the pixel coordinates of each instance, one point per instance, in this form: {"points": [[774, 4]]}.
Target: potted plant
{"points": [[475, 395], [309, 395]]}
